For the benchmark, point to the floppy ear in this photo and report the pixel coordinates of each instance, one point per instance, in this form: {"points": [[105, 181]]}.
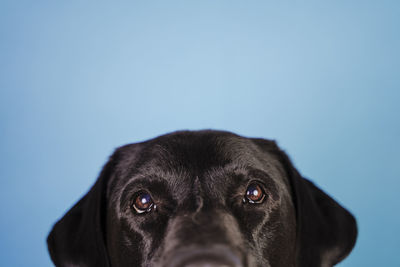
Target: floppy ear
{"points": [[326, 232], [78, 238]]}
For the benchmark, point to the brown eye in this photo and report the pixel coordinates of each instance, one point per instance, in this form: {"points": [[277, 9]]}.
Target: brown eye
{"points": [[143, 202], [254, 194]]}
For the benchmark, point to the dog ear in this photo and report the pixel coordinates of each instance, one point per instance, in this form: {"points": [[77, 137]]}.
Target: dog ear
{"points": [[78, 238], [326, 232]]}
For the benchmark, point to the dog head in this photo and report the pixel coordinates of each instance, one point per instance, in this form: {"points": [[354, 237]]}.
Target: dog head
{"points": [[203, 198]]}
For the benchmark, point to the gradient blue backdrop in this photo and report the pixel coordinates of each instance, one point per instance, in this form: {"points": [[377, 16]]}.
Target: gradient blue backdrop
{"points": [[79, 78]]}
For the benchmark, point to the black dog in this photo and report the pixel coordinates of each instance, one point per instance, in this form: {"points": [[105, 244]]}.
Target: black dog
{"points": [[203, 198]]}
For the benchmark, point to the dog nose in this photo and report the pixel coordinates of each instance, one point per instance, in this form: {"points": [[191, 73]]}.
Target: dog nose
{"points": [[216, 257]]}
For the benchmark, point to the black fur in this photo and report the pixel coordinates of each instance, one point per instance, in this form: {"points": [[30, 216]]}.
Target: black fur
{"points": [[198, 181]]}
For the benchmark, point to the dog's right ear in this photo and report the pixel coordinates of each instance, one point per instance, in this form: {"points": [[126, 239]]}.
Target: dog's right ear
{"points": [[78, 238]]}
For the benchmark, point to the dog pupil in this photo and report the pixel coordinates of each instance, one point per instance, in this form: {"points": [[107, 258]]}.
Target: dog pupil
{"points": [[143, 201], [253, 192]]}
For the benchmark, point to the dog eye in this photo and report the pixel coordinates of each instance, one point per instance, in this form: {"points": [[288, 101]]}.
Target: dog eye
{"points": [[143, 202], [254, 194]]}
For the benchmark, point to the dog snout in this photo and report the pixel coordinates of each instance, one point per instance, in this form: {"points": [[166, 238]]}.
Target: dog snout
{"points": [[201, 257]]}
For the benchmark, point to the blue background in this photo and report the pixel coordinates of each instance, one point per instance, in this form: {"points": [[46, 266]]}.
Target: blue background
{"points": [[79, 78]]}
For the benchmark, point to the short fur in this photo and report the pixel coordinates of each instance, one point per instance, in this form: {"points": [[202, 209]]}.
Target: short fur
{"points": [[198, 180]]}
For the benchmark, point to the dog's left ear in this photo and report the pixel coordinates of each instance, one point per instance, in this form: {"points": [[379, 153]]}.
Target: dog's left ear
{"points": [[78, 239], [326, 232]]}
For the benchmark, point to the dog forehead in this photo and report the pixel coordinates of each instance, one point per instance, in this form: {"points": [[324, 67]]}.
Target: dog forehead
{"points": [[198, 152], [191, 154]]}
